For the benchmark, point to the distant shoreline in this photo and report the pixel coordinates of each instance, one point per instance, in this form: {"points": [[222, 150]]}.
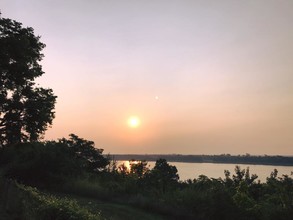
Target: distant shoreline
{"points": [[222, 159]]}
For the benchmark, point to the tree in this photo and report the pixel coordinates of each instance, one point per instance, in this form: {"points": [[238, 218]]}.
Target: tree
{"points": [[84, 149], [163, 175], [39, 163], [138, 168], [26, 110], [166, 171]]}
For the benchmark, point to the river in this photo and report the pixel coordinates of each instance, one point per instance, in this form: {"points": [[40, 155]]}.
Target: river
{"points": [[216, 170]]}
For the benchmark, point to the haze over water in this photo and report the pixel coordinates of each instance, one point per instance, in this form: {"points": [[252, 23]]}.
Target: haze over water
{"points": [[202, 77]]}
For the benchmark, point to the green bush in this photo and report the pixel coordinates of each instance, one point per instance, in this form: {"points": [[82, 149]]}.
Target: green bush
{"points": [[18, 201], [46, 207]]}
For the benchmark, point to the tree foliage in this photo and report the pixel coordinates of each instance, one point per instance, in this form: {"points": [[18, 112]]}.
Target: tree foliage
{"points": [[26, 110], [86, 150], [39, 164], [49, 162], [165, 171], [138, 168]]}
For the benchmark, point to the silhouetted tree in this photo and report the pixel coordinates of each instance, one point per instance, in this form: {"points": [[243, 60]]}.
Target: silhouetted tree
{"points": [[123, 170], [163, 175], [25, 109], [239, 175], [94, 160], [138, 168]]}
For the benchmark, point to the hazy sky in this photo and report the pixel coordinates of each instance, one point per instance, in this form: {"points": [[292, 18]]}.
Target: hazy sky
{"points": [[222, 72]]}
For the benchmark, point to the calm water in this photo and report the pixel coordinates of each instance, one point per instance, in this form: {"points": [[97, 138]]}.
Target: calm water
{"points": [[214, 170]]}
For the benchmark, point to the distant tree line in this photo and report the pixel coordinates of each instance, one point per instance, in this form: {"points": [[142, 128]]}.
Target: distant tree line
{"points": [[224, 158]]}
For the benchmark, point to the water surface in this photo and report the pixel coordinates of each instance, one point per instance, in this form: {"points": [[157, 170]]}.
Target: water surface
{"points": [[216, 170]]}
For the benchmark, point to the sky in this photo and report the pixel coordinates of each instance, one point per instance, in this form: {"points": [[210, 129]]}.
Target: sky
{"points": [[203, 77]]}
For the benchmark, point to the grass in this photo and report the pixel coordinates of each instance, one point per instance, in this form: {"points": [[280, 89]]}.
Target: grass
{"points": [[34, 204], [111, 201], [109, 210]]}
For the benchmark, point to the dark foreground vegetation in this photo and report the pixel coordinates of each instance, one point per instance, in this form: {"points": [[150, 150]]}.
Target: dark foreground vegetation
{"points": [[223, 158], [70, 179]]}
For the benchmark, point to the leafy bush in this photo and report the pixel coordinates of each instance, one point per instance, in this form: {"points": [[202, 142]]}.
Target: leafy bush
{"points": [[46, 207], [18, 201]]}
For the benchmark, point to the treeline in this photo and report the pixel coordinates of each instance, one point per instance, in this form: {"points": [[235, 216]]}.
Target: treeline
{"points": [[223, 158], [75, 167]]}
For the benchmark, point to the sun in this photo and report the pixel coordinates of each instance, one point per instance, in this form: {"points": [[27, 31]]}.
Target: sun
{"points": [[133, 121]]}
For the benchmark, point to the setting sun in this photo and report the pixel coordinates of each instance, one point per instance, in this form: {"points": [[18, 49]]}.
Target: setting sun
{"points": [[133, 121]]}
